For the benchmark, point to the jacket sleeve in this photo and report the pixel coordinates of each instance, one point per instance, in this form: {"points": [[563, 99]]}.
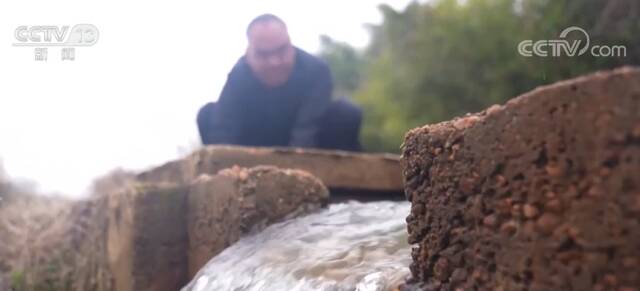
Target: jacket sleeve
{"points": [[228, 118], [312, 110]]}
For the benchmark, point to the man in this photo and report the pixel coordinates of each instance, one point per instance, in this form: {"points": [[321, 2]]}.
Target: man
{"points": [[279, 95]]}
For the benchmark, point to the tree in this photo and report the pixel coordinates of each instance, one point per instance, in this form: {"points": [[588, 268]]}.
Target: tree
{"points": [[346, 64], [433, 61]]}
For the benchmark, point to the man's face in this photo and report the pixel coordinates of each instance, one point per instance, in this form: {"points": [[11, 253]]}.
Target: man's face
{"points": [[270, 53]]}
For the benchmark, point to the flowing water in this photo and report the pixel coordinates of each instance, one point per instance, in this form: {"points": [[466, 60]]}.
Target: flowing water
{"points": [[349, 246]]}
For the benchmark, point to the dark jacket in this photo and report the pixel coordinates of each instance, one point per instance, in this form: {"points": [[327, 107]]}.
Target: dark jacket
{"points": [[288, 115]]}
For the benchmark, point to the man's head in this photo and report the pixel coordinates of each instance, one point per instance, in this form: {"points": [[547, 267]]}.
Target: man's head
{"points": [[270, 53]]}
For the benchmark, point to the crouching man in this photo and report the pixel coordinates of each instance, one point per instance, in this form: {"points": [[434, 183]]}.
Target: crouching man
{"points": [[279, 95]]}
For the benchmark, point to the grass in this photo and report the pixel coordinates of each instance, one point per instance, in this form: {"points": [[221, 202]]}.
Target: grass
{"points": [[54, 243]]}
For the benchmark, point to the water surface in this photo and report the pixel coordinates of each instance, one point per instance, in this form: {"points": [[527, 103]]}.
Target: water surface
{"points": [[349, 246]]}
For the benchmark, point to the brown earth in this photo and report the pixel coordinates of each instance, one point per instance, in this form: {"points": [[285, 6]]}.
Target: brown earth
{"points": [[142, 236], [245, 201], [49, 243], [542, 193], [146, 237]]}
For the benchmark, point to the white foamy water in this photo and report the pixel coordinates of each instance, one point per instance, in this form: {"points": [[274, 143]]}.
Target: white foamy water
{"points": [[349, 246]]}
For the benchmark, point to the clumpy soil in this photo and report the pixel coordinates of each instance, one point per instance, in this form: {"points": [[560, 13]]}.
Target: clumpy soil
{"points": [[542, 193]]}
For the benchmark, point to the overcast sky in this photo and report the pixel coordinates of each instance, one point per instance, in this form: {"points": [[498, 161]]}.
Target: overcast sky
{"points": [[130, 100]]}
